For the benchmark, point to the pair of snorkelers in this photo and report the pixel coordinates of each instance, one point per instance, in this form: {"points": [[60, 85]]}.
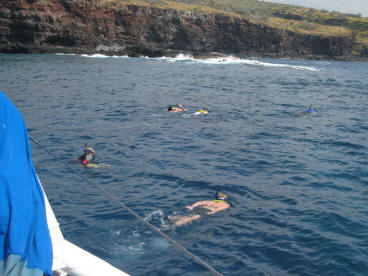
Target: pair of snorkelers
{"points": [[180, 108], [200, 208]]}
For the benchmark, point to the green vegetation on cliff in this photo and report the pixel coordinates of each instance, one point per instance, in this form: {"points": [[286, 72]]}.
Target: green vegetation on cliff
{"points": [[292, 18]]}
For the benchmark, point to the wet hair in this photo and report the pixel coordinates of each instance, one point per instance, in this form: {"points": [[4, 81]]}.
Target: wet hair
{"points": [[310, 107], [169, 108], [221, 196]]}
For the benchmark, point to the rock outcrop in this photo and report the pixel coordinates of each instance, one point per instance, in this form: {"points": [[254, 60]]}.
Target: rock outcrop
{"points": [[70, 26]]}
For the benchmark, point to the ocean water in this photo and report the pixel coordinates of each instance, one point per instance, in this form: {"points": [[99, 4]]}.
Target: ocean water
{"points": [[297, 183]]}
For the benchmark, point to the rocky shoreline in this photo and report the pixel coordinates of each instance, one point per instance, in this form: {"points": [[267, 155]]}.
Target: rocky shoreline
{"points": [[68, 26]]}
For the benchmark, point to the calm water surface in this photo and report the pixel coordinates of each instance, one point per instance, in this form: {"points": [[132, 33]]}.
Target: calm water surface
{"points": [[298, 185]]}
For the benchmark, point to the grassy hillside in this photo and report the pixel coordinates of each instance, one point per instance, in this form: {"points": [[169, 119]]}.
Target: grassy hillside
{"points": [[297, 19], [356, 24]]}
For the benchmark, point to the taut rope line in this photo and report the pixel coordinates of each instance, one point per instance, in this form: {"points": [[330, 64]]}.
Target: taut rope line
{"points": [[203, 263]]}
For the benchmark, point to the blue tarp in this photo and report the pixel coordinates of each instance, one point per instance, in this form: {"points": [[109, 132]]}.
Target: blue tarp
{"points": [[24, 234]]}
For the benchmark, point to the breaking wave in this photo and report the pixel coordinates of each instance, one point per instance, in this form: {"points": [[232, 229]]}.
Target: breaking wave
{"points": [[233, 60], [216, 60]]}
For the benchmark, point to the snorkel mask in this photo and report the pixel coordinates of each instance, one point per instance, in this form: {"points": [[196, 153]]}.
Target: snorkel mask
{"points": [[221, 196], [87, 151]]}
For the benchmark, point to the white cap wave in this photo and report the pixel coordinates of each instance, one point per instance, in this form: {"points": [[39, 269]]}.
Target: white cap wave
{"points": [[234, 60], [217, 60]]}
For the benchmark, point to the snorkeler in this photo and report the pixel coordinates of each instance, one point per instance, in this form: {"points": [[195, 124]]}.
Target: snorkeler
{"points": [[210, 207], [204, 110], [310, 109], [306, 112], [175, 108], [88, 156]]}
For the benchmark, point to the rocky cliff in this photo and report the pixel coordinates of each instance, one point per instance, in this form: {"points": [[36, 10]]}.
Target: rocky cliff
{"points": [[71, 26]]}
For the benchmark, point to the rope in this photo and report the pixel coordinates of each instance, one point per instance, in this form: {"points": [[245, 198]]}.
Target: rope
{"points": [[203, 263]]}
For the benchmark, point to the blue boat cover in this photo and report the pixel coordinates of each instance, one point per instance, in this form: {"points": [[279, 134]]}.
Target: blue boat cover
{"points": [[25, 244]]}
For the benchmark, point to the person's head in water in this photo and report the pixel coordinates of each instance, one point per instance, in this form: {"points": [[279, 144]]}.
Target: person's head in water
{"points": [[88, 155], [221, 196], [89, 151], [310, 109]]}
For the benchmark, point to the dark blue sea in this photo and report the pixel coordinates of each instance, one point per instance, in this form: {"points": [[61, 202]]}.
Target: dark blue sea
{"points": [[297, 183]]}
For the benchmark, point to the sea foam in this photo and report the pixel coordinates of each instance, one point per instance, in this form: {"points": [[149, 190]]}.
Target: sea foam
{"points": [[216, 61], [233, 60]]}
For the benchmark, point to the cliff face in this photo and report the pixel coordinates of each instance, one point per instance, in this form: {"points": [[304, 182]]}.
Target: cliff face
{"points": [[34, 26]]}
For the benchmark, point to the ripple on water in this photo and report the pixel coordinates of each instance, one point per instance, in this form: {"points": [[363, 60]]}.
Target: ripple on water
{"points": [[297, 184]]}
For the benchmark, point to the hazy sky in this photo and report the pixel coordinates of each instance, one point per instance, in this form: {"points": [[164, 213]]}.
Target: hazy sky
{"points": [[344, 6]]}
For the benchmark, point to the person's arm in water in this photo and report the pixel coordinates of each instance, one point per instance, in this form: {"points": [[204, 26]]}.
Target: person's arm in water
{"points": [[197, 204]]}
